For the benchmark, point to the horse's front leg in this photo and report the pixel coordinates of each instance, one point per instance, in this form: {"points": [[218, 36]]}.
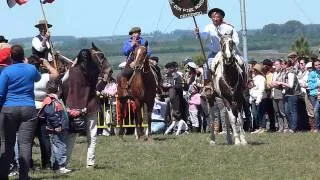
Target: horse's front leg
{"points": [[138, 121], [149, 127], [240, 125], [232, 120]]}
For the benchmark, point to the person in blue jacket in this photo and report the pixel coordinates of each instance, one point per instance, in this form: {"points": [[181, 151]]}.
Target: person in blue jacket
{"points": [[18, 112], [128, 48]]}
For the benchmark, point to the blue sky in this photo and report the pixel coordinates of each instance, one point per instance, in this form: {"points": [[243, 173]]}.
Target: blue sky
{"points": [[102, 17]]}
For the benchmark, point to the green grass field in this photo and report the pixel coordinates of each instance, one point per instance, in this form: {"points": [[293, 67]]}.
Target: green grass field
{"points": [[268, 156]]}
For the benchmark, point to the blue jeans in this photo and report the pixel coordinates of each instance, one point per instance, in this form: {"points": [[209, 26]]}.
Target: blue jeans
{"points": [[258, 114], [291, 108], [313, 100], [316, 114], [59, 149], [205, 69], [158, 127]]}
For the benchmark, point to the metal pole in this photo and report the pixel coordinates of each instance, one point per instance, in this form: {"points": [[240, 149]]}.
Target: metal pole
{"points": [[244, 29], [50, 42]]}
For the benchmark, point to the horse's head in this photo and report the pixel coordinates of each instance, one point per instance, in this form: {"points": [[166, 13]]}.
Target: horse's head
{"points": [[99, 58], [228, 47], [140, 56]]}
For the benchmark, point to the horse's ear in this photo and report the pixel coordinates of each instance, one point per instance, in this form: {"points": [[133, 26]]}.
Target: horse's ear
{"points": [[231, 32], [95, 47], [146, 44]]}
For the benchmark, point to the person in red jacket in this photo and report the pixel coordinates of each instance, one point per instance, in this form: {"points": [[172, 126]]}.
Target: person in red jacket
{"points": [[4, 53]]}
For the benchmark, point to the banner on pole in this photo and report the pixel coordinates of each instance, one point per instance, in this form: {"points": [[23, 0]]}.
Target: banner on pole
{"points": [[12, 3], [188, 8]]}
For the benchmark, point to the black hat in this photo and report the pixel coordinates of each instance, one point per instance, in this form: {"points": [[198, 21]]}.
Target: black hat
{"points": [[267, 62], [169, 65], [2, 39], [217, 10], [154, 58]]}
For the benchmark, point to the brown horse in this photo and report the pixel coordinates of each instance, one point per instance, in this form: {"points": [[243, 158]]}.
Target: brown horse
{"points": [[97, 56], [142, 88]]}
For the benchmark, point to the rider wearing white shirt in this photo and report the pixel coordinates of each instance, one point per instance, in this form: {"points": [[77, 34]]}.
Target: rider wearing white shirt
{"points": [[212, 31], [40, 43]]}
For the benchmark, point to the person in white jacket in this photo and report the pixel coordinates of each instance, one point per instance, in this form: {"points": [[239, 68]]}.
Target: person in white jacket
{"points": [[257, 92]]}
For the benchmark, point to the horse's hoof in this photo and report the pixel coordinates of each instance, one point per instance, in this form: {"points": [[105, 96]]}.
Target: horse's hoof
{"points": [[212, 143], [237, 142], [244, 143]]}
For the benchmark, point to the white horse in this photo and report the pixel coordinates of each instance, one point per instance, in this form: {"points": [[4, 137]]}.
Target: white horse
{"points": [[229, 80]]}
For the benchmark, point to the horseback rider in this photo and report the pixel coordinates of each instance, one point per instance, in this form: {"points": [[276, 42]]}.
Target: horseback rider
{"points": [[213, 31], [128, 48], [41, 43]]}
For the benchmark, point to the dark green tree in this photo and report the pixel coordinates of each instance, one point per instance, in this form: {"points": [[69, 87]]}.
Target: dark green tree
{"points": [[301, 46]]}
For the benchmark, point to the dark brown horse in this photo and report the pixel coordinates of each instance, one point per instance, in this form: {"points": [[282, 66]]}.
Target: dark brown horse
{"points": [[142, 88], [98, 57]]}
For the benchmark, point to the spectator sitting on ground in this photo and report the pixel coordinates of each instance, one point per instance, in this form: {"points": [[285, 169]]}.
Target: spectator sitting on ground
{"points": [[158, 115]]}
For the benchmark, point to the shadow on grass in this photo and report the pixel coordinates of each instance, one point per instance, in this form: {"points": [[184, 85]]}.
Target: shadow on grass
{"points": [[52, 176], [252, 143], [164, 138]]}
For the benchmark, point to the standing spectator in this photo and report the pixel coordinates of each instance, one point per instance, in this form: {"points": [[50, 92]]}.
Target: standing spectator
{"points": [[248, 123], [4, 53], [173, 82], [18, 112], [82, 95], [277, 96], [293, 57], [57, 125], [313, 85], [257, 92], [304, 67], [267, 101], [292, 93], [47, 73]]}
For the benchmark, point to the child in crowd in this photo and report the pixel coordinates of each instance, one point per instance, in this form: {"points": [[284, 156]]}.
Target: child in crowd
{"points": [[57, 125], [194, 102]]}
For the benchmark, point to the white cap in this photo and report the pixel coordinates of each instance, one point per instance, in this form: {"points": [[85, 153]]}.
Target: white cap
{"points": [[309, 65], [192, 65], [123, 64]]}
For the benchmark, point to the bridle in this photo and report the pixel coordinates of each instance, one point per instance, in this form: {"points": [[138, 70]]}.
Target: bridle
{"points": [[140, 67]]}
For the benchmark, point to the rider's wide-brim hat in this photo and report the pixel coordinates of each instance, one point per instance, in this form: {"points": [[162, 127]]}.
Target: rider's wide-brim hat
{"points": [[135, 30], [258, 67], [217, 10], [42, 23]]}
